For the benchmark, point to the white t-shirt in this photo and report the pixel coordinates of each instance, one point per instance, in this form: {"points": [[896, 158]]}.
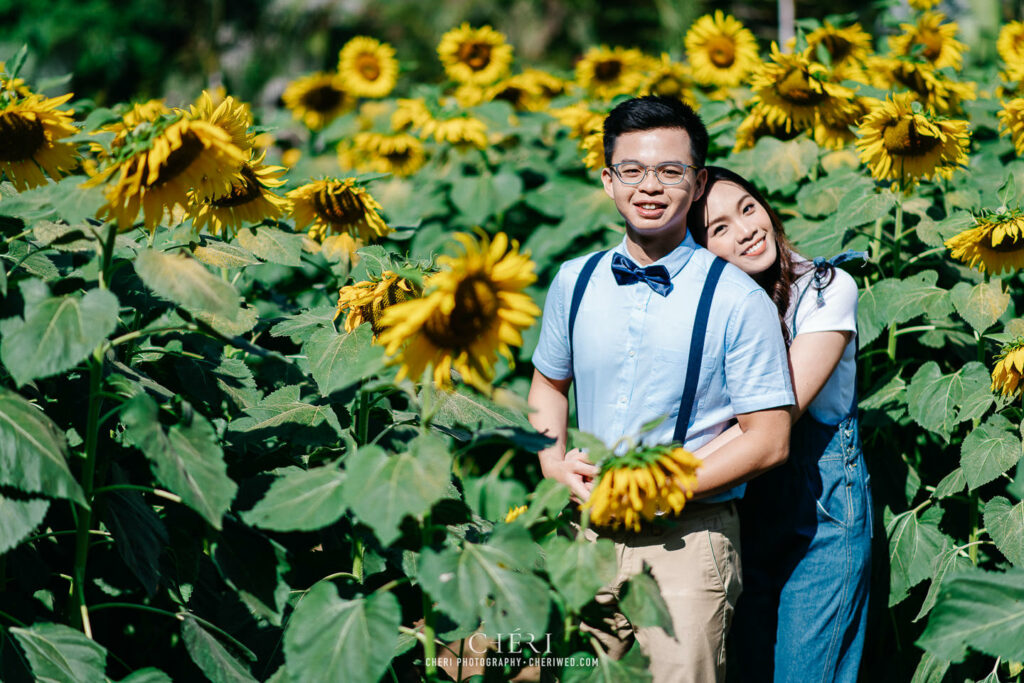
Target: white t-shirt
{"points": [[836, 312]]}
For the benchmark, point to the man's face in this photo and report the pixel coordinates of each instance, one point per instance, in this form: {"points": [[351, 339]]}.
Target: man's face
{"points": [[651, 208]]}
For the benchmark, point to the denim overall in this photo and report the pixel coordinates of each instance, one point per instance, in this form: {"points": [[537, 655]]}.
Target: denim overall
{"points": [[806, 551]]}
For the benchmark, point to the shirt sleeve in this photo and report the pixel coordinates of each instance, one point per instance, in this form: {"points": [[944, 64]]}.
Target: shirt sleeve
{"points": [[551, 357], [838, 309], [756, 363]]}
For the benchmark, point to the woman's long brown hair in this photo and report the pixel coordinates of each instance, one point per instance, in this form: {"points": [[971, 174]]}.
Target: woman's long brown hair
{"points": [[778, 279]]}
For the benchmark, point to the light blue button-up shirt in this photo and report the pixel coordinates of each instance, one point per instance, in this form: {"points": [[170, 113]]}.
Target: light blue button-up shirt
{"points": [[631, 347]]}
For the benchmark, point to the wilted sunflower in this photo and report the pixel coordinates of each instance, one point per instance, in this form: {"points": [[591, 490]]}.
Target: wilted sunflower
{"points": [[479, 56], [796, 92], [995, 244], [337, 206], [366, 301], [756, 126], [471, 311], [641, 485], [462, 132], [514, 513], [157, 165], [230, 114], [721, 50], [669, 79], [902, 145], [368, 67], [937, 41], [1011, 43], [1011, 122], [1006, 375], [606, 72], [847, 48], [839, 132], [250, 200], [410, 114], [30, 132], [317, 99], [400, 154]]}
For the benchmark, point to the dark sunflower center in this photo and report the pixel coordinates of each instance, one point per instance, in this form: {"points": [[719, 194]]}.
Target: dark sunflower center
{"points": [[903, 139], [796, 88], [932, 42], [475, 55], [179, 159], [20, 136], [1009, 243], [242, 192], [607, 70], [721, 51], [375, 310], [368, 66], [476, 305], [325, 98], [399, 157], [339, 208], [839, 48], [511, 94]]}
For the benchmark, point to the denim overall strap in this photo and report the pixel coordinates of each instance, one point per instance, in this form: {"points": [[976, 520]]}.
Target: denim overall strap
{"points": [[574, 306], [700, 326], [819, 276]]}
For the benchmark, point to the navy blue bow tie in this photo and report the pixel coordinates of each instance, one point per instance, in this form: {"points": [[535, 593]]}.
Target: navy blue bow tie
{"points": [[626, 273]]}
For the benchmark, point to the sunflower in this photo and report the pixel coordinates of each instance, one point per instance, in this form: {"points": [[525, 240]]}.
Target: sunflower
{"points": [[902, 145], [400, 153], [847, 47], [1010, 44], [317, 99], [592, 147], [929, 87], [606, 72], [30, 132], [756, 126], [469, 95], [410, 114], [923, 5], [550, 85], [1011, 122], [463, 132], [642, 485], [995, 244], [366, 301], [12, 86], [580, 119], [479, 56], [228, 113], [471, 311], [159, 163], [514, 513], [669, 79], [721, 51], [523, 91], [337, 206], [368, 67], [249, 201], [1006, 375], [936, 41], [796, 92], [839, 132]]}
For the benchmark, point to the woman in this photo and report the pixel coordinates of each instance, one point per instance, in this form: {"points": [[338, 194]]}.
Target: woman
{"points": [[805, 526]]}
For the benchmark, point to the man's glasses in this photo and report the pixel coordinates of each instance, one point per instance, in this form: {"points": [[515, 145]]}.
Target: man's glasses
{"points": [[669, 173]]}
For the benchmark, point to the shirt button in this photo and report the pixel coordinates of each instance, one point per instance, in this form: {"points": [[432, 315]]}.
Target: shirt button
{"points": [[622, 399], [632, 353]]}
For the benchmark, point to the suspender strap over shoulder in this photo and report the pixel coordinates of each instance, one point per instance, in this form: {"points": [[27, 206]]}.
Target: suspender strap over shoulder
{"points": [[693, 362], [577, 295]]}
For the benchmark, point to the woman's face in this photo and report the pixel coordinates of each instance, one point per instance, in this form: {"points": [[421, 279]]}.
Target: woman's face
{"points": [[739, 228]]}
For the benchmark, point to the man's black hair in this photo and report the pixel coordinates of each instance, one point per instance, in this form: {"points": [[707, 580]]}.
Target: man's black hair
{"points": [[655, 111]]}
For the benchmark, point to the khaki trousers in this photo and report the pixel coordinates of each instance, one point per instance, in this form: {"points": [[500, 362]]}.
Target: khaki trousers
{"points": [[695, 560]]}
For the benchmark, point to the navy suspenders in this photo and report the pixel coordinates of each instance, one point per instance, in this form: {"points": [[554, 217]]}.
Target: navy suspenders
{"points": [[700, 326]]}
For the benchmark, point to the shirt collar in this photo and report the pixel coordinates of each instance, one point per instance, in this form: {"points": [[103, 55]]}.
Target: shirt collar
{"points": [[674, 260]]}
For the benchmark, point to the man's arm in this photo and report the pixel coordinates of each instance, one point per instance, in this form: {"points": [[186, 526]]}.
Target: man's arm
{"points": [[762, 444], [549, 399]]}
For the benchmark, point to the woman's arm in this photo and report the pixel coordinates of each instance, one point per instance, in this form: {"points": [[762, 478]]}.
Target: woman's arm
{"points": [[813, 357]]}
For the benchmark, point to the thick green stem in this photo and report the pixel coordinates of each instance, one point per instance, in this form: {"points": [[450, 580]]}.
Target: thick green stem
{"points": [[363, 419], [972, 511], [897, 233], [357, 559]]}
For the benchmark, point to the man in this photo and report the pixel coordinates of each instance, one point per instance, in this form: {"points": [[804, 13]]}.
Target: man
{"points": [[629, 360]]}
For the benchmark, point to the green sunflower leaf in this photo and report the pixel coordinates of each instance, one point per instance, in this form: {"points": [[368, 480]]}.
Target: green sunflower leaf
{"points": [[20, 517], [254, 566], [493, 582], [33, 451], [1005, 524], [147, 675], [186, 458], [301, 500], [864, 205], [930, 669], [383, 489], [62, 654], [331, 638], [979, 609], [583, 669], [272, 244], [989, 450], [913, 545], [894, 302], [286, 415], [980, 305], [220, 254], [940, 402], [219, 665], [56, 333], [642, 603], [947, 562], [565, 557], [337, 360], [186, 282]]}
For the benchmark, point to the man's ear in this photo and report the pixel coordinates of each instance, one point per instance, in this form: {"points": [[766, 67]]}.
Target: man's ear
{"points": [[702, 182], [606, 179]]}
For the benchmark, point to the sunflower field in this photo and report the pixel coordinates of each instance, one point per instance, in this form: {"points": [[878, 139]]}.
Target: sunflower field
{"points": [[263, 367]]}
